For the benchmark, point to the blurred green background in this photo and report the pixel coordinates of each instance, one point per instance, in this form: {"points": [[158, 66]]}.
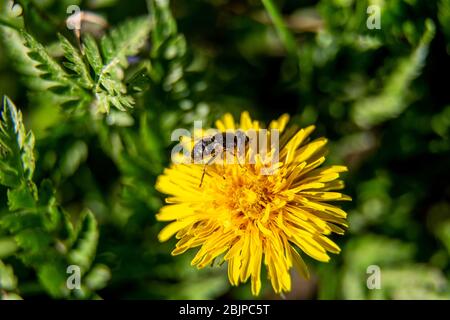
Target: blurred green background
{"points": [[381, 96]]}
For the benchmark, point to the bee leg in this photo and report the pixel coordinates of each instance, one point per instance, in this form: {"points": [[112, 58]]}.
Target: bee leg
{"points": [[204, 168], [237, 157], [240, 164], [203, 175]]}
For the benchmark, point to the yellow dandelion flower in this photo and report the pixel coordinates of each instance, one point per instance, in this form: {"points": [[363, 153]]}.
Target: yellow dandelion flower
{"points": [[246, 218]]}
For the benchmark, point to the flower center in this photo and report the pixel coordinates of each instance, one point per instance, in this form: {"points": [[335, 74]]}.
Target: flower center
{"points": [[245, 193], [248, 199]]}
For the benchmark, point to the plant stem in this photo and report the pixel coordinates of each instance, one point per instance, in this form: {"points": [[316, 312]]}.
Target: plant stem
{"points": [[285, 35]]}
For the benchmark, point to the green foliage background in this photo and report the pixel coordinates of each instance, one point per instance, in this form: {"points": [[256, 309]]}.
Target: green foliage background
{"points": [[77, 170]]}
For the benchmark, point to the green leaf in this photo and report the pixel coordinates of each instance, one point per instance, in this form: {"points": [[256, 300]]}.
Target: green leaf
{"points": [[15, 222], [93, 54], [54, 218], [49, 68], [285, 35], [98, 277], [76, 63], [16, 147], [85, 245], [33, 240], [71, 83], [53, 277], [163, 24], [117, 46], [40, 72], [391, 101], [46, 193], [169, 54], [124, 41], [21, 198]]}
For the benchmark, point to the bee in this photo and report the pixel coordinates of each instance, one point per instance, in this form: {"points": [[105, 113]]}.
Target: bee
{"points": [[218, 145]]}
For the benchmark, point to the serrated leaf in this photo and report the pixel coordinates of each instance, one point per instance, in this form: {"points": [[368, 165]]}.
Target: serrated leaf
{"points": [[67, 230], [46, 193], [85, 245], [41, 72], [109, 89], [76, 63], [12, 43], [33, 240], [71, 82], [16, 147], [121, 42], [125, 41], [15, 222], [93, 54], [21, 198], [53, 217], [43, 60]]}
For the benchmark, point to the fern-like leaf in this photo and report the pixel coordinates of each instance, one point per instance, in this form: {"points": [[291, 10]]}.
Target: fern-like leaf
{"points": [[49, 68], [93, 54], [42, 234], [16, 147], [76, 63], [67, 90], [72, 81], [115, 47], [124, 41]]}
